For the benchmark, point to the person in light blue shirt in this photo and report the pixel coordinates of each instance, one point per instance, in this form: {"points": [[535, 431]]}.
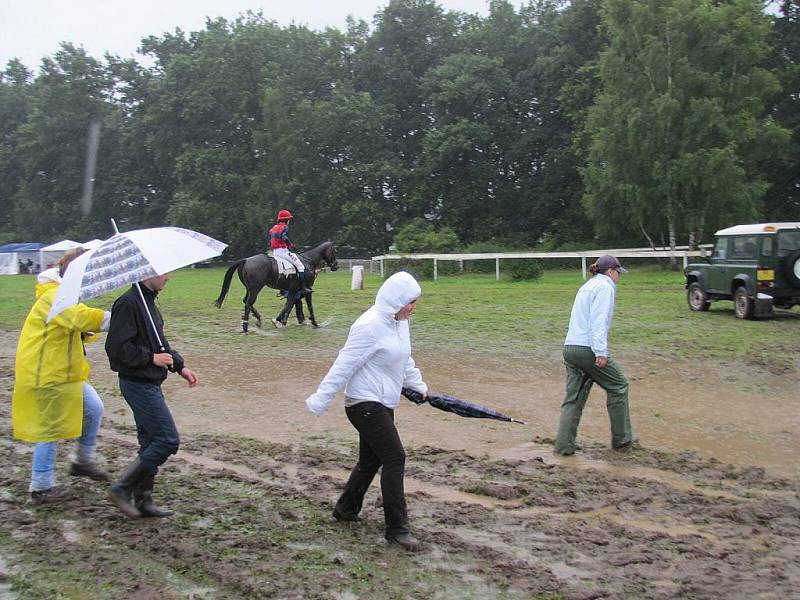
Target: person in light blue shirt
{"points": [[587, 359]]}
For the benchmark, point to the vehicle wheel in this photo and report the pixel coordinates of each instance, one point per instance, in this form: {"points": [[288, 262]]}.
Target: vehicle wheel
{"points": [[742, 304], [697, 298], [793, 268]]}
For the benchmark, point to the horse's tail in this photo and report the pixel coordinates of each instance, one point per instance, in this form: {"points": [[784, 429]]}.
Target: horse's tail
{"points": [[226, 283]]}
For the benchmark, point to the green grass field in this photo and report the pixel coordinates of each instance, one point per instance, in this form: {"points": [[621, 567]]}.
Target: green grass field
{"points": [[471, 312]]}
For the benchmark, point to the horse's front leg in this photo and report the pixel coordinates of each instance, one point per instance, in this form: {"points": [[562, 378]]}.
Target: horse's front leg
{"points": [[311, 310]]}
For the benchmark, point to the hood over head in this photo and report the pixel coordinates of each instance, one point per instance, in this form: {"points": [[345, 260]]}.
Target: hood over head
{"points": [[46, 280], [397, 291], [48, 276]]}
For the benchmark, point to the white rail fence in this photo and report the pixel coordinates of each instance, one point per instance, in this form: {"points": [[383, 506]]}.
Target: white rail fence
{"points": [[680, 252]]}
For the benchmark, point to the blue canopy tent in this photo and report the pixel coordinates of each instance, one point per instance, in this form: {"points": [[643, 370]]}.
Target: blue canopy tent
{"points": [[14, 256]]}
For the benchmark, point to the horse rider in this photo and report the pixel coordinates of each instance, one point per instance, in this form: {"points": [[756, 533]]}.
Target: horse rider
{"points": [[280, 244]]}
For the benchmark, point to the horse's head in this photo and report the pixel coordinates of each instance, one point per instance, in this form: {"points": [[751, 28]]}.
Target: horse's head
{"points": [[330, 257]]}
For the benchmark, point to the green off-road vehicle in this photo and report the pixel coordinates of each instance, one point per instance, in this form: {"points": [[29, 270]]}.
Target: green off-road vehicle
{"points": [[756, 266]]}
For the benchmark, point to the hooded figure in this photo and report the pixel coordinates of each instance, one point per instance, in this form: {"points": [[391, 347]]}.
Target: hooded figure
{"points": [[53, 399], [373, 366]]}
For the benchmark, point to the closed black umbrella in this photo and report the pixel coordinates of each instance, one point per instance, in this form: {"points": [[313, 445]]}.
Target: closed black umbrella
{"points": [[460, 407]]}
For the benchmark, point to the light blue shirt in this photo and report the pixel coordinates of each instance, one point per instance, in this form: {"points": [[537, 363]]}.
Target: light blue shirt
{"points": [[591, 315]]}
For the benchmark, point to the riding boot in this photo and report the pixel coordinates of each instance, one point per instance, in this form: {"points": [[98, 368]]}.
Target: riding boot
{"points": [[303, 283], [143, 497], [121, 492]]}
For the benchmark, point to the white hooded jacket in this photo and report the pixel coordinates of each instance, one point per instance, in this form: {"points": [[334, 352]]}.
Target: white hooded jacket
{"points": [[375, 362]]}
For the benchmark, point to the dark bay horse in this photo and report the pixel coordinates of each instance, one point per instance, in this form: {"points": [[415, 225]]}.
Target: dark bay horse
{"points": [[261, 270]]}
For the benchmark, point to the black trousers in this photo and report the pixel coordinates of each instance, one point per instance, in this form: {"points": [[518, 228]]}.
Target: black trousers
{"points": [[379, 446]]}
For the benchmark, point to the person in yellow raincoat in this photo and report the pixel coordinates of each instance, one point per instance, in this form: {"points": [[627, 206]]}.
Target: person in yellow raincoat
{"points": [[53, 399]]}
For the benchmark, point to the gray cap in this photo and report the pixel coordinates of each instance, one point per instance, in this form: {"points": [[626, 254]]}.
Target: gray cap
{"points": [[606, 262]]}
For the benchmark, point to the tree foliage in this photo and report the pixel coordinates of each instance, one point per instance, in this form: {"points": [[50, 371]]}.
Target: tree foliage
{"points": [[568, 122], [680, 122]]}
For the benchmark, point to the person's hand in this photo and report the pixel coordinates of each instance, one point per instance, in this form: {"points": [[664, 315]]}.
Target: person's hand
{"points": [[601, 361], [162, 359], [315, 405], [189, 376]]}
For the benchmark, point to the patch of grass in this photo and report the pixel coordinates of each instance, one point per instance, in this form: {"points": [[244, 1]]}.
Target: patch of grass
{"points": [[465, 312]]}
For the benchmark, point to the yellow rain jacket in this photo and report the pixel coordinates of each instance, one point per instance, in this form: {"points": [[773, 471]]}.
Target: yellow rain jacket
{"points": [[51, 368]]}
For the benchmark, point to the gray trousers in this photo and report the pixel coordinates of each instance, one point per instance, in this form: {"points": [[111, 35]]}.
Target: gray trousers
{"points": [[582, 373]]}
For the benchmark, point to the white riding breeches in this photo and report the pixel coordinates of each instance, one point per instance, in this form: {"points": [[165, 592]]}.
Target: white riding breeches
{"points": [[291, 257]]}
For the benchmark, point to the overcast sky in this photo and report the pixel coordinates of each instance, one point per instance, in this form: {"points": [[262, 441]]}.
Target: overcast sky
{"points": [[32, 29]]}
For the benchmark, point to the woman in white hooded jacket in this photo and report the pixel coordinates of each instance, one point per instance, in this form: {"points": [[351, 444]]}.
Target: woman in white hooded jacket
{"points": [[373, 366]]}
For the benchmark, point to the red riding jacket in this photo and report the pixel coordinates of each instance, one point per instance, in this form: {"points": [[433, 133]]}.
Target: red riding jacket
{"points": [[279, 236]]}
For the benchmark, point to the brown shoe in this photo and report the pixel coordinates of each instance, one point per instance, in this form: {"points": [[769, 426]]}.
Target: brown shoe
{"points": [[53, 494], [628, 446], [90, 470], [405, 540]]}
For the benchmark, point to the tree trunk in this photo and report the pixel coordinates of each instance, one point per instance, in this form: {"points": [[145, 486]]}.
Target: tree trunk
{"points": [[673, 261]]}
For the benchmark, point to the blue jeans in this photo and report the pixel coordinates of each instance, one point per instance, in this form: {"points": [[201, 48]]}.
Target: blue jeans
{"points": [[158, 436], [44, 453]]}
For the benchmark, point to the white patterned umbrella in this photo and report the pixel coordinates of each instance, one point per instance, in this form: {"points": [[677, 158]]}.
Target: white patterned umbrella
{"points": [[130, 257]]}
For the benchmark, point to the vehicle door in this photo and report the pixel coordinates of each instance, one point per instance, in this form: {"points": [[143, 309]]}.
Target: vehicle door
{"points": [[717, 280]]}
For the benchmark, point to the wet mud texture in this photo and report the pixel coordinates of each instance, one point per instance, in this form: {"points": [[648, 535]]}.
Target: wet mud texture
{"points": [[253, 521], [500, 517]]}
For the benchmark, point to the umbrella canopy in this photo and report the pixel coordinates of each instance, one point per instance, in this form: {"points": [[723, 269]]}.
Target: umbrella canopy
{"points": [[130, 257], [460, 407]]}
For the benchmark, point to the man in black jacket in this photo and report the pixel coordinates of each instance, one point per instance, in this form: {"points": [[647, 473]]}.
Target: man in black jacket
{"points": [[142, 360]]}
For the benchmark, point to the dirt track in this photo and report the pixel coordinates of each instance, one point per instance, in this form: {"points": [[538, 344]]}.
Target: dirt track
{"points": [[499, 514]]}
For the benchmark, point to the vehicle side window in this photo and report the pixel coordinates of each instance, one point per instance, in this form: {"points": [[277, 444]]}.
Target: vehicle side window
{"points": [[721, 248], [744, 247], [766, 246], [788, 242]]}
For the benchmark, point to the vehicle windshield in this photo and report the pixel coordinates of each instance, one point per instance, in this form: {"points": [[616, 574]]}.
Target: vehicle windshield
{"points": [[788, 242]]}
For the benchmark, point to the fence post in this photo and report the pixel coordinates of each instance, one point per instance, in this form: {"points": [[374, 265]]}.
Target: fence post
{"points": [[583, 266], [381, 268], [435, 269], [497, 269]]}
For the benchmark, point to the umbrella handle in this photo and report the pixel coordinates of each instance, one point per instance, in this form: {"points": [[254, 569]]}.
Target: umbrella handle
{"points": [[149, 316]]}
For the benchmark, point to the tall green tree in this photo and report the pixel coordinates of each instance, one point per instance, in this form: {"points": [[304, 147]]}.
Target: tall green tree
{"points": [[680, 123], [71, 93], [782, 201], [15, 100]]}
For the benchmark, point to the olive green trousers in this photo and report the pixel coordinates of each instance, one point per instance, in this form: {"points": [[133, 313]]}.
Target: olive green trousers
{"points": [[582, 373]]}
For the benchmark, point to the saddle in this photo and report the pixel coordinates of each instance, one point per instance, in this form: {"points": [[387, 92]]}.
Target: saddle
{"points": [[284, 266]]}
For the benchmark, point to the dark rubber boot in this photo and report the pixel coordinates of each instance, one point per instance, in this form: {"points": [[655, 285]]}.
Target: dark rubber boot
{"points": [[303, 284], [143, 496], [121, 492]]}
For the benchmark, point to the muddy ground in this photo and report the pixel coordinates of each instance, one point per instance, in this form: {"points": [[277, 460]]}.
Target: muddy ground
{"points": [[708, 507]]}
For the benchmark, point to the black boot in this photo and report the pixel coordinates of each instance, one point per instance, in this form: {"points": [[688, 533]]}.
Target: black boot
{"points": [[405, 540], [143, 496], [121, 492], [303, 283]]}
